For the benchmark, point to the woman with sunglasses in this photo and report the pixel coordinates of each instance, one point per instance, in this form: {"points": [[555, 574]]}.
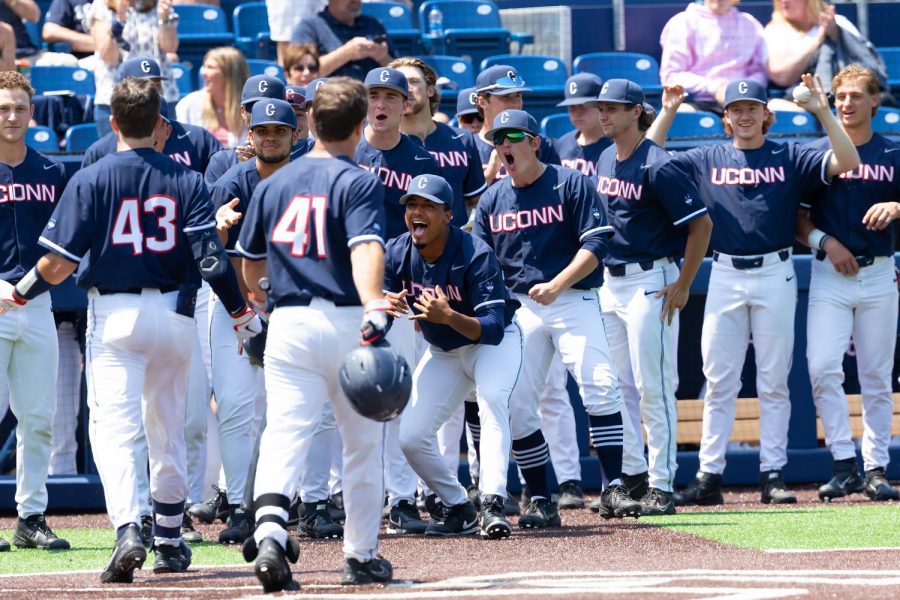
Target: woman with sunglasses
{"points": [[301, 64]]}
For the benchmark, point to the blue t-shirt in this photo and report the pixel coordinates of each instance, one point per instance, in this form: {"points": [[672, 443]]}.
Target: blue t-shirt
{"points": [[467, 272], [839, 211], [537, 230], [547, 155], [304, 220], [578, 157], [29, 193], [648, 199], [458, 162], [125, 219], [69, 14], [189, 145], [328, 34]]}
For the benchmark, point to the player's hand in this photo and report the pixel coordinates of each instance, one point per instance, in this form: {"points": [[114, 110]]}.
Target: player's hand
{"points": [[399, 307], [673, 96], [258, 304], [9, 299], [544, 293], [227, 217], [676, 299], [880, 215], [435, 309], [493, 167], [375, 322], [818, 101], [245, 152], [246, 325], [843, 261]]}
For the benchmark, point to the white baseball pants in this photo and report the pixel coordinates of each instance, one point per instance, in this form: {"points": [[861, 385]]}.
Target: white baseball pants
{"points": [[68, 402], [400, 479], [558, 424]]}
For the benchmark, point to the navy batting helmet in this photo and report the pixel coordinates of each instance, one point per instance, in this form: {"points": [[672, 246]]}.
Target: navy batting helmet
{"points": [[255, 347], [376, 381]]}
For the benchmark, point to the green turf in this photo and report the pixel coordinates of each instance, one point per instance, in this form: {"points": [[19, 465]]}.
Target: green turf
{"points": [[808, 528], [91, 549]]}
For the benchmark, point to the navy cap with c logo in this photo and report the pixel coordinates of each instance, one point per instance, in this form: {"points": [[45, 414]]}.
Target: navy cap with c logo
{"points": [[466, 102], [142, 67], [745, 89], [581, 89], [500, 80], [259, 87], [431, 187], [273, 112], [514, 119], [386, 77], [621, 91]]}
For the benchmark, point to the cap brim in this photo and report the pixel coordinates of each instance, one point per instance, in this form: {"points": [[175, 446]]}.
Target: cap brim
{"points": [[757, 100], [272, 122], [468, 111], [489, 134], [611, 101], [577, 101], [396, 88], [502, 91], [405, 198]]}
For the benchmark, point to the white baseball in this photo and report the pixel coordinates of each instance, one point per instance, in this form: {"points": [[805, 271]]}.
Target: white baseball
{"points": [[802, 94]]}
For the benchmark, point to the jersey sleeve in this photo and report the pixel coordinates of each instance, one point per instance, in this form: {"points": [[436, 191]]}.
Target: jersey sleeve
{"points": [[198, 210], [70, 230], [364, 210], [393, 279], [207, 146], [252, 240], [675, 188], [486, 291], [481, 227], [811, 165], [474, 183], [588, 215], [216, 167]]}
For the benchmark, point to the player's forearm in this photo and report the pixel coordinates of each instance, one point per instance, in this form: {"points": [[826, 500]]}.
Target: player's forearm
{"points": [[367, 260], [80, 42], [804, 226], [699, 232], [252, 272], [470, 327], [50, 270], [584, 263], [659, 130], [844, 156]]}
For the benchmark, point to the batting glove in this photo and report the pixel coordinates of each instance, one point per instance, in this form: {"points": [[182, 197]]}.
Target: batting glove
{"points": [[376, 321], [9, 299], [246, 325]]}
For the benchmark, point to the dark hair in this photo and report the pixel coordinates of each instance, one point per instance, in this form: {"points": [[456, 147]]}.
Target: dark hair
{"points": [[135, 107], [339, 107], [428, 74], [645, 120]]}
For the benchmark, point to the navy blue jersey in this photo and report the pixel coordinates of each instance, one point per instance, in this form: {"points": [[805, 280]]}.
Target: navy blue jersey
{"points": [[578, 157], [547, 155], [189, 145], [459, 163], [304, 220], [29, 193], [648, 200], [132, 211], [238, 182], [395, 168], [302, 146], [840, 210], [537, 230], [753, 195], [470, 276]]}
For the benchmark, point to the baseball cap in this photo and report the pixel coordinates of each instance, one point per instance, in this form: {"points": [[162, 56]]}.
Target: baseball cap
{"points": [[386, 77], [433, 188], [273, 112], [465, 102], [621, 91], [581, 89], [745, 89], [260, 87], [164, 110], [142, 67], [513, 119], [295, 95], [500, 80]]}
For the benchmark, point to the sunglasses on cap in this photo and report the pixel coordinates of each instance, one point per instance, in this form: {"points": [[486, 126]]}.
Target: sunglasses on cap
{"points": [[504, 83], [513, 135], [470, 118]]}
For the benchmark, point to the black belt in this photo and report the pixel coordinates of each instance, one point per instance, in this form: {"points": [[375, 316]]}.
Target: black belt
{"points": [[646, 265], [861, 260], [165, 289], [751, 262], [306, 301]]}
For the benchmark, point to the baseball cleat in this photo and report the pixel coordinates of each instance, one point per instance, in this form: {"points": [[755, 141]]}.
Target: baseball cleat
{"points": [[772, 489], [375, 570], [571, 495], [474, 495], [34, 532], [238, 527], [147, 531], [510, 506], [539, 514], [657, 502], [4, 545], [405, 518], [637, 485], [171, 559], [272, 568], [435, 508], [317, 522], [494, 525], [615, 503], [704, 490], [188, 533], [846, 480], [461, 519], [128, 554], [336, 507], [878, 488], [214, 508]]}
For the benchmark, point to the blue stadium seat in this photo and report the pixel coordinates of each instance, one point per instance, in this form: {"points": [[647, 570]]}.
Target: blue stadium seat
{"points": [[398, 21], [181, 73], [791, 123], [639, 68], [458, 70], [887, 121], [42, 138], [891, 58], [692, 125], [265, 67], [201, 27], [59, 79], [80, 137], [472, 29], [556, 126], [251, 30], [541, 73]]}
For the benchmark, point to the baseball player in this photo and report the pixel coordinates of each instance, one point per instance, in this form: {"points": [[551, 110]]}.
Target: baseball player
{"points": [[657, 218], [546, 225], [128, 221], [396, 159], [752, 188], [30, 185], [313, 233], [467, 114], [258, 87], [454, 285], [295, 95], [581, 149], [853, 292]]}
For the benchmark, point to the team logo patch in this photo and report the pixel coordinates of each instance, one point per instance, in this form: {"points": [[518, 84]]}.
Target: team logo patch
{"points": [[596, 213], [423, 182], [270, 110], [489, 287], [385, 75], [504, 118], [743, 87], [512, 75], [573, 88], [263, 86], [145, 66], [320, 84], [688, 200], [605, 87], [473, 98], [51, 224]]}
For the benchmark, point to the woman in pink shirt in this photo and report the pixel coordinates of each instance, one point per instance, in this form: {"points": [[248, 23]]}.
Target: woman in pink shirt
{"points": [[708, 45]]}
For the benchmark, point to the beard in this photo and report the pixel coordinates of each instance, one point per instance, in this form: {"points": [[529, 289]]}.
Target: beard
{"points": [[273, 159]]}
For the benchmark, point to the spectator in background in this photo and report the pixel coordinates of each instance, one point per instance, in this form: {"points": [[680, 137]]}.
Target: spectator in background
{"points": [[301, 64], [349, 42], [7, 47], [467, 114], [217, 106], [708, 45], [12, 12], [66, 23], [124, 28], [285, 16]]}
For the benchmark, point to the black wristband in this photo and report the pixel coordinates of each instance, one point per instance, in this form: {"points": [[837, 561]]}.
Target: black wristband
{"points": [[32, 285]]}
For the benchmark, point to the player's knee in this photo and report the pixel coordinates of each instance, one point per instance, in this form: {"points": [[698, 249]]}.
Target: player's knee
{"points": [[412, 441]]}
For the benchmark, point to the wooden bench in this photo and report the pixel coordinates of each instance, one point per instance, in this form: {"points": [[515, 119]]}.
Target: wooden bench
{"points": [[746, 422]]}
